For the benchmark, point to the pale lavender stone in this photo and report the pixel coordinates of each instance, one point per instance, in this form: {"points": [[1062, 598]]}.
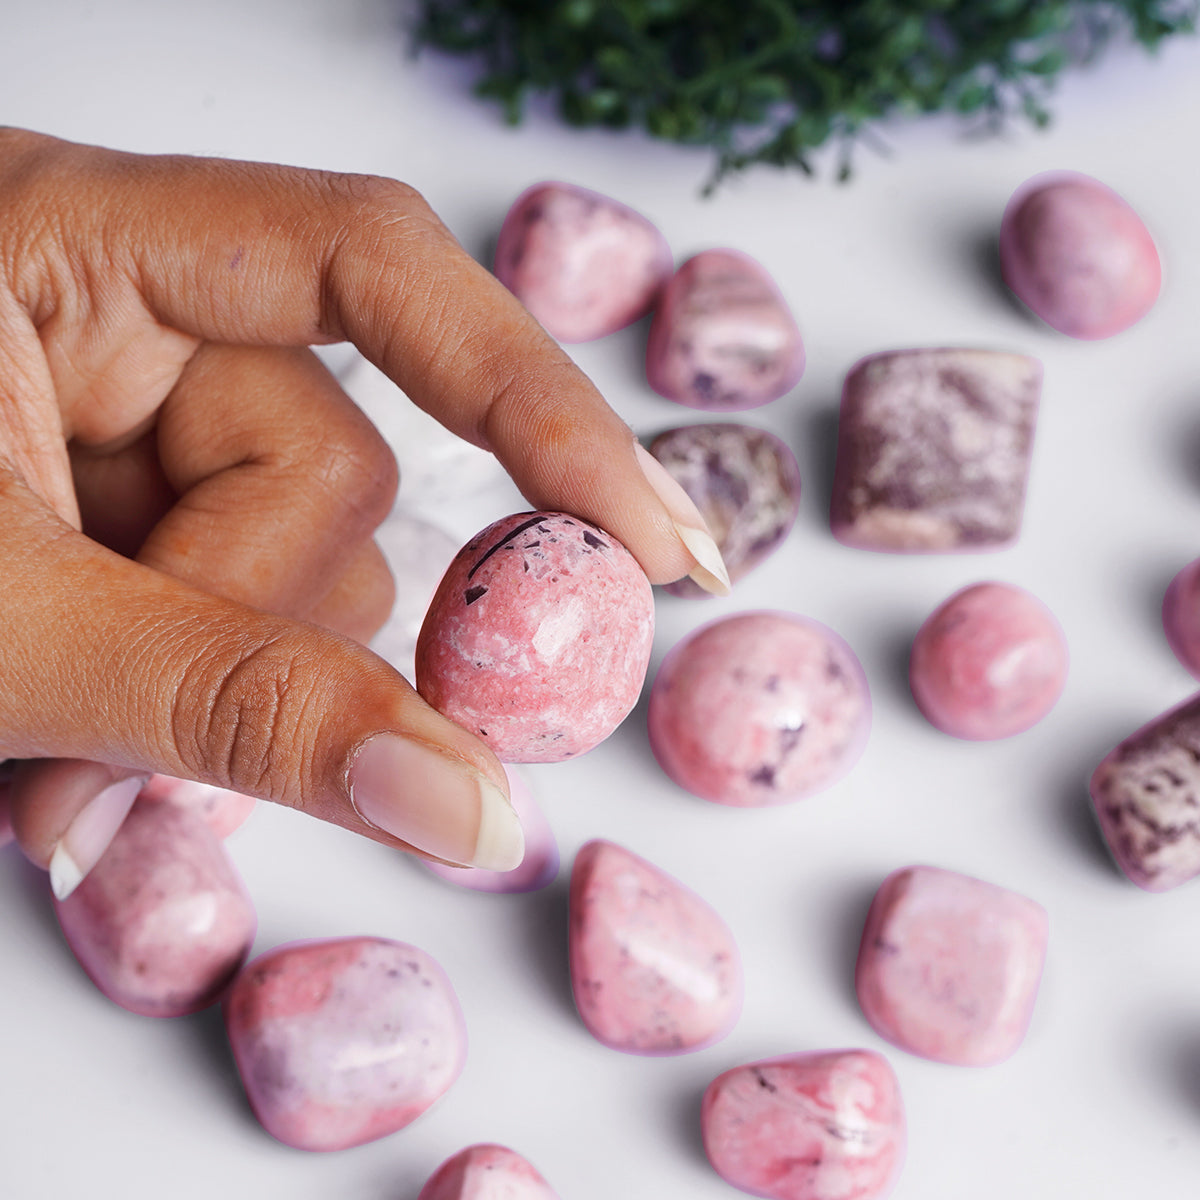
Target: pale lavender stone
{"points": [[1181, 616]]}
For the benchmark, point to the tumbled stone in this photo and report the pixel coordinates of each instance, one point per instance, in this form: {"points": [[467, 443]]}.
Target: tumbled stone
{"points": [[991, 661], [584, 264], [163, 921], [949, 966], [746, 484], [759, 708], [1181, 616], [1078, 255], [1146, 794], [723, 337], [538, 637], [819, 1126], [654, 969], [220, 809], [934, 449], [343, 1041], [487, 1172]]}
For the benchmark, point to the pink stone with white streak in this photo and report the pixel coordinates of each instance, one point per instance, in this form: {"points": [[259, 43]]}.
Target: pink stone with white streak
{"points": [[584, 264], [343, 1041], [220, 809], [654, 969], [949, 966], [487, 1172], [163, 921], [820, 1126], [1181, 616]]}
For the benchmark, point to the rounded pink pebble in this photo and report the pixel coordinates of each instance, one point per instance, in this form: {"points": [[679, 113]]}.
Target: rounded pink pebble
{"points": [[1181, 616], [487, 1172], [538, 637], [654, 969], [583, 264], [1078, 255], [162, 922], [821, 1126], [759, 708], [220, 809], [989, 662], [340, 1042]]}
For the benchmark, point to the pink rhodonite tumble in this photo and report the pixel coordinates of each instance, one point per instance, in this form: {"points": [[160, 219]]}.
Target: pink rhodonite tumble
{"points": [[343, 1041], [654, 970], [538, 637], [934, 449], [821, 1126], [487, 1172], [583, 264], [989, 662], [1078, 255], [163, 921], [1181, 616], [759, 708], [723, 337], [949, 966], [221, 810]]}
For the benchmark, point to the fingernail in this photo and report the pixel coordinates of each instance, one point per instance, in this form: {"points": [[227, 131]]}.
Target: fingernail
{"points": [[90, 833], [709, 569], [435, 803]]}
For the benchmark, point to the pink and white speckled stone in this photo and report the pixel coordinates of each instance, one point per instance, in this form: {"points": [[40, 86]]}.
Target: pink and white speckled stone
{"points": [[949, 966], [487, 1172], [1181, 616], [759, 708], [163, 921], [723, 337], [343, 1041], [820, 1126], [220, 809], [991, 661], [538, 637], [654, 969], [1078, 255], [583, 264]]}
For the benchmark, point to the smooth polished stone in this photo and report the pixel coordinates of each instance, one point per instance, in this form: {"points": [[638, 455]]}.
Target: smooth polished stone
{"points": [[759, 708], [934, 449], [487, 1172], [949, 966], [1146, 794], [584, 264], [220, 809], [990, 661], [746, 484], [539, 637], [163, 921], [723, 337], [1181, 616], [343, 1041], [654, 969], [819, 1126], [1077, 254]]}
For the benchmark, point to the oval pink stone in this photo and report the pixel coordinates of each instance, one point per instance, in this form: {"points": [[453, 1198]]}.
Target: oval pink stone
{"points": [[988, 663], [487, 1172], [538, 637], [654, 969], [759, 708], [584, 264], [1078, 255], [1181, 616], [723, 337], [821, 1126], [343, 1041], [163, 921], [220, 809]]}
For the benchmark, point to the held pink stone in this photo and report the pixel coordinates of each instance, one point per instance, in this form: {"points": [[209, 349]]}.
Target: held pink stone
{"points": [[1181, 616], [820, 1126], [583, 264], [654, 970], [934, 449], [538, 637], [949, 966], [989, 662], [723, 337], [162, 922], [221, 810], [759, 708], [343, 1041], [487, 1172]]}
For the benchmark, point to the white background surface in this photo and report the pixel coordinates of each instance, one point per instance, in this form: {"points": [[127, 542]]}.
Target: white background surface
{"points": [[1103, 1099]]}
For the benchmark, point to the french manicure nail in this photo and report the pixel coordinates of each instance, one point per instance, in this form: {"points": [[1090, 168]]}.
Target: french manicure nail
{"points": [[90, 833]]}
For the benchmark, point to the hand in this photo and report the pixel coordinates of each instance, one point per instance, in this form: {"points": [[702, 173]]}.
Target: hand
{"points": [[187, 498]]}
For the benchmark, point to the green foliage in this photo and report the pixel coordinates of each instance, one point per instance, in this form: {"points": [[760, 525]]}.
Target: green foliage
{"points": [[770, 81]]}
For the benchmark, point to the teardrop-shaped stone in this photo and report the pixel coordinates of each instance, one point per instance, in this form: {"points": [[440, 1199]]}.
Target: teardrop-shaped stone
{"points": [[487, 1172]]}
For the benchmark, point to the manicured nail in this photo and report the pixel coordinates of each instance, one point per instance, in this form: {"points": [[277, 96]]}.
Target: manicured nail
{"points": [[435, 803], [709, 569], [89, 834]]}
